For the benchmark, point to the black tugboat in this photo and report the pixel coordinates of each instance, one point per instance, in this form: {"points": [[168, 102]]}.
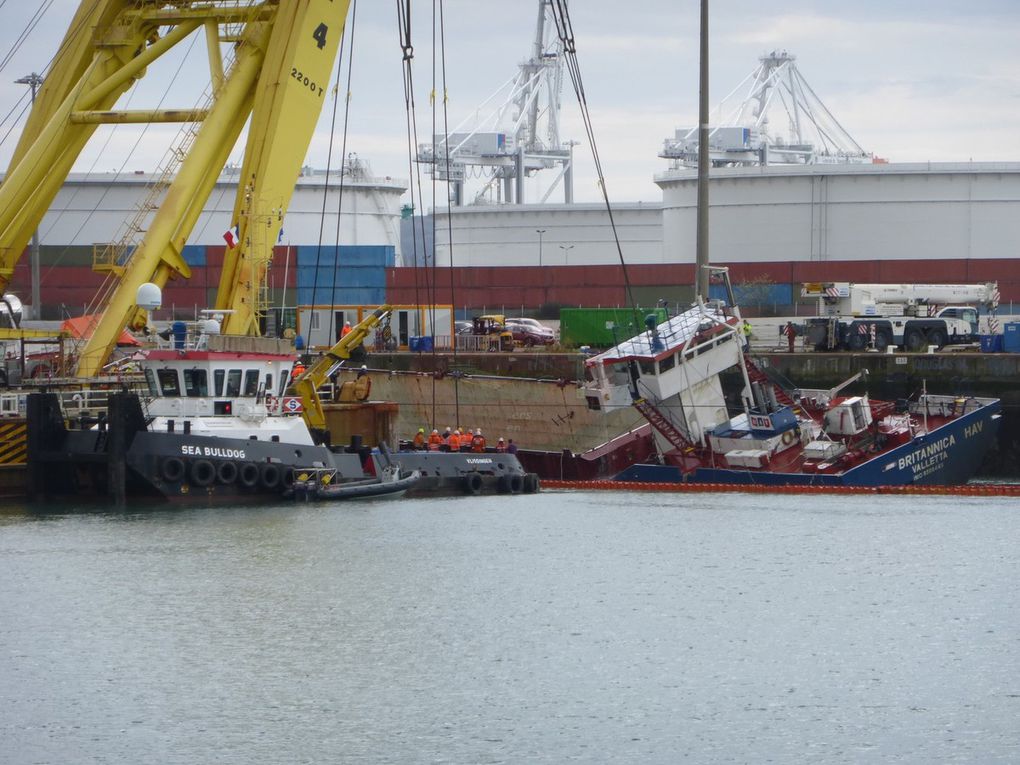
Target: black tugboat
{"points": [[217, 425]]}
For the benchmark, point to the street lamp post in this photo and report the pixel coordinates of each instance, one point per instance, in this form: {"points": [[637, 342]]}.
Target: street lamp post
{"points": [[540, 231], [566, 253], [34, 80]]}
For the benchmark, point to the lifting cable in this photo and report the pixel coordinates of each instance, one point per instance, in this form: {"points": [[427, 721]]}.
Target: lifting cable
{"points": [[329, 166], [414, 171], [566, 34], [49, 66], [449, 219]]}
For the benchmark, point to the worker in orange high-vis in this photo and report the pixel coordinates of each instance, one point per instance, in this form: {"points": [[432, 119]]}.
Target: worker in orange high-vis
{"points": [[435, 441], [346, 330], [454, 441], [419, 440], [478, 441], [501, 445]]}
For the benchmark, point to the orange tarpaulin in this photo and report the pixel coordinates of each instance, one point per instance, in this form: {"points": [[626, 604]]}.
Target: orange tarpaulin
{"points": [[83, 326]]}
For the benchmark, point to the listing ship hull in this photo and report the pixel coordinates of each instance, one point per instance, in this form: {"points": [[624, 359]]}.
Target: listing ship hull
{"points": [[948, 455]]}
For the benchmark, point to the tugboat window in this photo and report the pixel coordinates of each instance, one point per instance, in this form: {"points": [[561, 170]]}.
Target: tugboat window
{"points": [[196, 383], [251, 382], [667, 363], [150, 379], [233, 383], [218, 375], [269, 384], [169, 382]]}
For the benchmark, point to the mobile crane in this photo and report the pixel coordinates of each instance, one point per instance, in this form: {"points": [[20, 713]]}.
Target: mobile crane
{"points": [[283, 55], [306, 385], [859, 316]]}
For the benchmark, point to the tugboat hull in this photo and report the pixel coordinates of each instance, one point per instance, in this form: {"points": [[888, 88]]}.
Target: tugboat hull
{"points": [[124, 459]]}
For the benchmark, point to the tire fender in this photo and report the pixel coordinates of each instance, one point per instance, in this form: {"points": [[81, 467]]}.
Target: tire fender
{"points": [[472, 483], [202, 473]]}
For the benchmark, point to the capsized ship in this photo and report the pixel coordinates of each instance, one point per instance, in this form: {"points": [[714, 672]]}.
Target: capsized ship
{"points": [[672, 373], [217, 425]]}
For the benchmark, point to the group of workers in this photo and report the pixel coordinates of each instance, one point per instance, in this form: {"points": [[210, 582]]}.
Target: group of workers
{"points": [[454, 440]]}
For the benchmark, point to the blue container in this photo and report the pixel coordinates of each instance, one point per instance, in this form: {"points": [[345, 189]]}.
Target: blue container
{"points": [[421, 344], [1011, 340], [991, 343], [413, 343], [180, 333]]}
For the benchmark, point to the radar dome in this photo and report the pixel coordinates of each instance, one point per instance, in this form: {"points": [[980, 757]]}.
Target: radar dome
{"points": [[13, 305], [149, 297]]}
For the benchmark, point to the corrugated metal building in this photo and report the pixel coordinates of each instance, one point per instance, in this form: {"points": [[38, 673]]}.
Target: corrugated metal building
{"points": [[314, 262]]}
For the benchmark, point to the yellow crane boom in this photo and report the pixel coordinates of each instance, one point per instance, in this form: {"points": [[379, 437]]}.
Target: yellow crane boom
{"points": [[308, 382], [284, 51]]}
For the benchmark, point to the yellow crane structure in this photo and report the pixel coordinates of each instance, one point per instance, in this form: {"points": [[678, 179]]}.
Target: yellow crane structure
{"points": [[283, 55], [307, 384]]}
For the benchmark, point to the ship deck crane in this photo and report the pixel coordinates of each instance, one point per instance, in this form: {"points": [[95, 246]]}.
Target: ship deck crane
{"points": [[283, 52], [307, 384]]}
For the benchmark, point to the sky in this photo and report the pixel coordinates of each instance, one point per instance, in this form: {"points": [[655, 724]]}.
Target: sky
{"points": [[911, 81]]}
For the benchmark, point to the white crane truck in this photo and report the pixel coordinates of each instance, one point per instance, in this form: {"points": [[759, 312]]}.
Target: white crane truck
{"points": [[856, 317]]}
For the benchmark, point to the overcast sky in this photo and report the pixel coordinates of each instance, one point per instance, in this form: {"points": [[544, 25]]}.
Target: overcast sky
{"points": [[910, 81]]}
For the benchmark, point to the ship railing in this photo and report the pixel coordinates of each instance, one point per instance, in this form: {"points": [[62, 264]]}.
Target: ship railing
{"points": [[73, 403], [191, 341]]}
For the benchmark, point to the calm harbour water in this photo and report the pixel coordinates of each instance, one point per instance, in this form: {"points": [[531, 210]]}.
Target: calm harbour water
{"points": [[562, 627]]}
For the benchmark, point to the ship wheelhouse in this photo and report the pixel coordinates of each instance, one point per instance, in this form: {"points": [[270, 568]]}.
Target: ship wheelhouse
{"points": [[224, 386]]}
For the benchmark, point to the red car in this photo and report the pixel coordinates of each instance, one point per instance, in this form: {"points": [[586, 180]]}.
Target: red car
{"points": [[530, 332]]}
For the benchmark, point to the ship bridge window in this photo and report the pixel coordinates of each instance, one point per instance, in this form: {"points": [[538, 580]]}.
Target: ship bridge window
{"points": [[647, 368], [218, 375], [169, 382], [269, 384], [196, 383], [667, 363], [150, 380], [233, 388], [284, 379], [251, 382]]}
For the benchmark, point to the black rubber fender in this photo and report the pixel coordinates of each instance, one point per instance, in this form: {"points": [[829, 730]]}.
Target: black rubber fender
{"points": [[226, 472], [472, 483], [269, 475], [515, 482], [172, 469], [531, 483], [249, 474], [202, 473], [287, 479]]}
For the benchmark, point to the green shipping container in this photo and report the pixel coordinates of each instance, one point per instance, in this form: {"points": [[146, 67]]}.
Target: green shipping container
{"points": [[603, 327]]}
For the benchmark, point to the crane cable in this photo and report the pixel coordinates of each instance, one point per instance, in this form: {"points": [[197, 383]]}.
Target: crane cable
{"points": [[449, 215], [32, 23], [414, 171], [329, 167], [566, 34]]}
